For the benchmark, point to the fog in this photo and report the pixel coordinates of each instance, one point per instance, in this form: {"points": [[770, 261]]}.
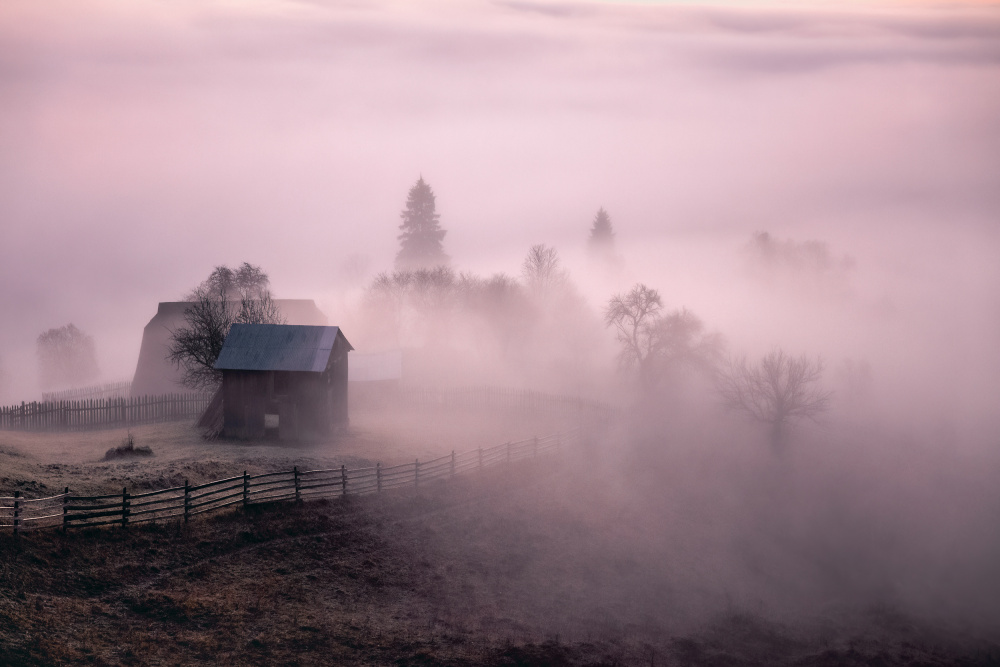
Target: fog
{"points": [[142, 144]]}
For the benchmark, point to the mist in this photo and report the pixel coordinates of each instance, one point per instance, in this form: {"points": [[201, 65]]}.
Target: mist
{"points": [[142, 145]]}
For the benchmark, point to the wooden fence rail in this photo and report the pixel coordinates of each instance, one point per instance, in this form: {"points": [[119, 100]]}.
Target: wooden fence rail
{"points": [[101, 413], [21, 514]]}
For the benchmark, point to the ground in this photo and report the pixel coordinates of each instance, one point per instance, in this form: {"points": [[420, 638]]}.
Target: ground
{"points": [[538, 564]]}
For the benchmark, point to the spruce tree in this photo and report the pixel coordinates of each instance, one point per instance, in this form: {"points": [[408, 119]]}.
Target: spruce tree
{"points": [[602, 236], [421, 238]]}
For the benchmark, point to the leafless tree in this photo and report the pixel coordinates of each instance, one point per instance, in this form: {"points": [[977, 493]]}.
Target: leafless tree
{"points": [[680, 342], [214, 309], [66, 357], [659, 345], [635, 316], [541, 270], [245, 280], [776, 390]]}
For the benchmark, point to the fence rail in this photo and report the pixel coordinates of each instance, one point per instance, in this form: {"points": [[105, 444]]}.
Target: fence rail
{"points": [[101, 413], [21, 514]]}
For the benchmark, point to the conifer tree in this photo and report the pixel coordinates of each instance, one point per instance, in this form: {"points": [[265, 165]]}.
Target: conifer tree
{"points": [[421, 238], [602, 236]]}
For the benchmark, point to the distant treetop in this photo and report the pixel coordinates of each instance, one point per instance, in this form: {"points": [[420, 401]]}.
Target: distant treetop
{"points": [[602, 235], [246, 281], [421, 239]]}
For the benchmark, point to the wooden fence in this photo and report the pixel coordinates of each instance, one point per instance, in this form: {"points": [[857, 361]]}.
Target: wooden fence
{"points": [[122, 389], [180, 503], [101, 413]]}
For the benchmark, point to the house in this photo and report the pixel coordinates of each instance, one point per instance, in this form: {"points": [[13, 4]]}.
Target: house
{"points": [[156, 374], [288, 380]]}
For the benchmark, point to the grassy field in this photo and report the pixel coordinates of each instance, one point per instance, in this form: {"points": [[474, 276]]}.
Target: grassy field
{"points": [[551, 564]]}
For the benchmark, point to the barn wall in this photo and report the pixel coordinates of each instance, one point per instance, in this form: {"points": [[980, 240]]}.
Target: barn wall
{"points": [[244, 401], [336, 379]]}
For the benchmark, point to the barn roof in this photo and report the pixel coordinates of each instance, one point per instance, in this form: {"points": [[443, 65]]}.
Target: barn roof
{"points": [[278, 347]]}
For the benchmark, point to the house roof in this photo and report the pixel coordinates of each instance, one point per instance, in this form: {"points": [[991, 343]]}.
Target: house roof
{"points": [[278, 347]]}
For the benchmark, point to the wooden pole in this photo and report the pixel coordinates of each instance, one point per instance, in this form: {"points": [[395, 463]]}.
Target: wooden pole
{"points": [[17, 512], [378, 477], [187, 501], [295, 476], [416, 472], [246, 489], [343, 480], [65, 522], [125, 505]]}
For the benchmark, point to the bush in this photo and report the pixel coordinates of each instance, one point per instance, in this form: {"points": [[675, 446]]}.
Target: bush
{"points": [[127, 449]]}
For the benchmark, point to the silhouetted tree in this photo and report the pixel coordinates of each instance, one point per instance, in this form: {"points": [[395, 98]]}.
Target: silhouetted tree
{"points": [[776, 390], [541, 271], [421, 241], [680, 342], [634, 316], [66, 357], [245, 280], [659, 345], [225, 298], [602, 235]]}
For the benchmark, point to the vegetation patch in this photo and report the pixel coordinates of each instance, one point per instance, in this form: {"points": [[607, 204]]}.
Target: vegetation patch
{"points": [[127, 450]]}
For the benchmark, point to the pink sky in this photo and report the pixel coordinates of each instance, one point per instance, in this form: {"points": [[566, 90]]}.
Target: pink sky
{"points": [[142, 143]]}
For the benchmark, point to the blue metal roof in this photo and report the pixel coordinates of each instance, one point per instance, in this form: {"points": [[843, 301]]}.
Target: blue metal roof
{"points": [[278, 347]]}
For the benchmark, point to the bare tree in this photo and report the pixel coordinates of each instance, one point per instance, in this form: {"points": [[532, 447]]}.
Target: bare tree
{"points": [[66, 357], [635, 316], [659, 345], [541, 270], [776, 390], [681, 342], [245, 280], [214, 309]]}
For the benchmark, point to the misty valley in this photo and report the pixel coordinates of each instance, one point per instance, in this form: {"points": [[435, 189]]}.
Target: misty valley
{"points": [[511, 333]]}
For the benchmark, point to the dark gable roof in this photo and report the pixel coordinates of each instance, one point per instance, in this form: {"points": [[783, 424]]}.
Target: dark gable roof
{"points": [[278, 347]]}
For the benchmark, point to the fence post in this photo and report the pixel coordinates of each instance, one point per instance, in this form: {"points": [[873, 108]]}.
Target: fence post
{"points": [[508, 452], [378, 477], [65, 523], [246, 489], [343, 480], [416, 472], [17, 512], [125, 506], [187, 501], [453, 463], [295, 475]]}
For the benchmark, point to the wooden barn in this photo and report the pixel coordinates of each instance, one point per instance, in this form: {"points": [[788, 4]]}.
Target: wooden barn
{"points": [[283, 380]]}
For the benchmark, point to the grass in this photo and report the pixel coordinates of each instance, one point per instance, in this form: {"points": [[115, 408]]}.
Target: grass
{"points": [[487, 570], [553, 565]]}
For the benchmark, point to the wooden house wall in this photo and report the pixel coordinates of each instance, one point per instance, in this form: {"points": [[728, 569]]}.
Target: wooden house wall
{"points": [[307, 403], [336, 379], [244, 402]]}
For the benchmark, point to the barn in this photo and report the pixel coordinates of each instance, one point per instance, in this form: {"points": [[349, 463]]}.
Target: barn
{"points": [[283, 380]]}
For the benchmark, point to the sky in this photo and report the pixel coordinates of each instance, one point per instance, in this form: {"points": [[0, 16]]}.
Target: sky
{"points": [[143, 143]]}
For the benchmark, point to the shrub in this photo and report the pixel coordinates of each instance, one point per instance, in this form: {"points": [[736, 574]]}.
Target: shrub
{"points": [[127, 449]]}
